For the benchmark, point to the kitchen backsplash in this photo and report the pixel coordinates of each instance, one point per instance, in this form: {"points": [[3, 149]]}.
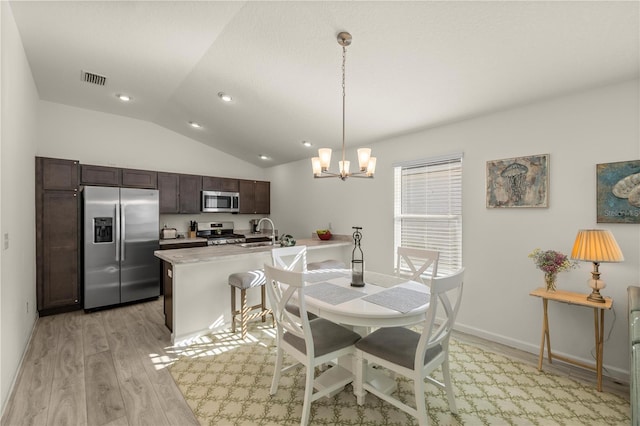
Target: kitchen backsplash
{"points": [[181, 221]]}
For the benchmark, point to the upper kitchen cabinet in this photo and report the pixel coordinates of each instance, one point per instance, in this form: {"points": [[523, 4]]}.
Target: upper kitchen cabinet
{"points": [[190, 188], [58, 174], [219, 184], [145, 179], [179, 193], [100, 175], [57, 236], [255, 197], [168, 188]]}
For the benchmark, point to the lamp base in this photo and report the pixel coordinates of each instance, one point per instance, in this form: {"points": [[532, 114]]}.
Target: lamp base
{"points": [[596, 297]]}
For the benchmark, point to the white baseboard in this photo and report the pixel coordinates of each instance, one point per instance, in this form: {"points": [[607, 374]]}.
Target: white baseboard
{"points": [[609, 371], [19, 369]]}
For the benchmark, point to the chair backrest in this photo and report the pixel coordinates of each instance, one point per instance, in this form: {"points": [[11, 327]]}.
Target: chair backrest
{"points": [[447, 293], [287, 288], [418, 261], [290, 258]]}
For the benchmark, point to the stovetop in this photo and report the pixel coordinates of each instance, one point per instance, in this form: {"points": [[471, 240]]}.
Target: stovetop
{"points": [[218, 233]]}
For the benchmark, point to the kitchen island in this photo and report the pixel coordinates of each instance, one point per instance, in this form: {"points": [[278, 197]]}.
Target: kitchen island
{"points": [[197, 294]]}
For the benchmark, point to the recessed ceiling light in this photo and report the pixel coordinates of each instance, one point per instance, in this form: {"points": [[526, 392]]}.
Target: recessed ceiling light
{"points": [[123, 98], [264, 157], [307, 144], [195, 125], [225, 97]]}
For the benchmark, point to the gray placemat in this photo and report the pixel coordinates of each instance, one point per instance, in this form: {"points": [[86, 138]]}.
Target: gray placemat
{"points": [[399, 299], [316, 277], [331, 293]]}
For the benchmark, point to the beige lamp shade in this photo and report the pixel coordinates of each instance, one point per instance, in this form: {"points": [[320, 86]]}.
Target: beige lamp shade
{"points": [[596, 245]]}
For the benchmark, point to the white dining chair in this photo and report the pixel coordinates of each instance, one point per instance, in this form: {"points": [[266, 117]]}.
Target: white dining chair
{"points": [[422, 264], [412, 354], [290, 258], [310, 343]]}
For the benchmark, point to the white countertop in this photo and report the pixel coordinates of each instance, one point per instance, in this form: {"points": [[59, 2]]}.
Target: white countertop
{"points": [[212, 253]]}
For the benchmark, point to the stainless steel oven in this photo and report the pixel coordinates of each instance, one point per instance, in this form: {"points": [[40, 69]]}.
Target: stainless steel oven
{"points": [[217, 202]]}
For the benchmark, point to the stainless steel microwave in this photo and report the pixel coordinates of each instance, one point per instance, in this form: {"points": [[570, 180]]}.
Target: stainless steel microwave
{"points": [[220, 202]]}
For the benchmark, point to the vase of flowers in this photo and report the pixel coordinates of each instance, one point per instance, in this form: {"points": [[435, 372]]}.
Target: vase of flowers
{"points": [[551, 262]]}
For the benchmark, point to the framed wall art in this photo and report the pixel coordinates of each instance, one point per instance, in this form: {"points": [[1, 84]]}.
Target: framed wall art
{"points": [[518, 182], [618, 192]]}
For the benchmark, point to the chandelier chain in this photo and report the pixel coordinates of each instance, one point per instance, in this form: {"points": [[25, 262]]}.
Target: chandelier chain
{"points": [[366, 163], [344, 95]]}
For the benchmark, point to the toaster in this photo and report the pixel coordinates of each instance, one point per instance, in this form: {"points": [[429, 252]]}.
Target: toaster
{"points": [[168, 233]]}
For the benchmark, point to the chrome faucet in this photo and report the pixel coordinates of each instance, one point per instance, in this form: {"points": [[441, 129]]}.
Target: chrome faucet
{"points": [[273, 229]]}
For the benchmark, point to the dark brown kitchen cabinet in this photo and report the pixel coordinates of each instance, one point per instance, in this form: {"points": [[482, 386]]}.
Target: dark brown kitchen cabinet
{"points": [[179, 193], [189, 193], [139, 179], [100, 175], [57, 173], [219, 184], [167, 284], [255, 197], [57, 236], [168, 192]]}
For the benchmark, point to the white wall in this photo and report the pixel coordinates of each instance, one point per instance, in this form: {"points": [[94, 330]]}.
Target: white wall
{"points": [[17, 208], [111, 140], [578, 131]]}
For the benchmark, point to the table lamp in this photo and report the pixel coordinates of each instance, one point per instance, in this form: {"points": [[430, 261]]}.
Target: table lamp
{"points": [[597, 246]]}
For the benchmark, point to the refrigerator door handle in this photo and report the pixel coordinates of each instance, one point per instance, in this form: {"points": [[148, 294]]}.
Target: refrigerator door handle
{"points": [[117, 216], [123, 233]]}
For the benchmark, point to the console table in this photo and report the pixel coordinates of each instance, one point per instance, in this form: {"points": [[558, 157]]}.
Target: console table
{"points": [[577, 299]]}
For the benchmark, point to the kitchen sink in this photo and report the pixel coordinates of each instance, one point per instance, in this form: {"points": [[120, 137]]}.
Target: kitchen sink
{"points": [[258, 244]]}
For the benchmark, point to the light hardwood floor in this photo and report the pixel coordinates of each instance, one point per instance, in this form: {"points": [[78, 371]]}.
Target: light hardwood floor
{"points": [[109, 368], [103, 368]]}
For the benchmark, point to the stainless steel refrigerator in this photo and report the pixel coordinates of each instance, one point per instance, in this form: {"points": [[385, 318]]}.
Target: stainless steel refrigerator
{"points": [[120, 235]]}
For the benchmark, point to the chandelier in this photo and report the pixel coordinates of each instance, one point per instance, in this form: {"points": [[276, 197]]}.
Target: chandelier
{"points": [[366, 163]]}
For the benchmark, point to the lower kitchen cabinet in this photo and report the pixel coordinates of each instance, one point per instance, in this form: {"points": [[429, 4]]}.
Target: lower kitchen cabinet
{"points": [[167, 284], [57, 239], [58, 283]]}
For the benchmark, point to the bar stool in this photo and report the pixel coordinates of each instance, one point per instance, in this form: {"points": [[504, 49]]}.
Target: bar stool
{"points": [[326, 264], [244, 281]]}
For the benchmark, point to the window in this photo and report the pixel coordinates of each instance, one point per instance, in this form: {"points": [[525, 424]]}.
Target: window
{"points": [[428, 208]]}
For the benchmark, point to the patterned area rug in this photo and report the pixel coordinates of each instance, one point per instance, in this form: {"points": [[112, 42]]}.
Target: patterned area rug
{"points": [[226, 381]]}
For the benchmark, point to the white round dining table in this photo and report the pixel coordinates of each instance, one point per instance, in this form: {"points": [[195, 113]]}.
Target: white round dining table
{"points": [[359, 312]]}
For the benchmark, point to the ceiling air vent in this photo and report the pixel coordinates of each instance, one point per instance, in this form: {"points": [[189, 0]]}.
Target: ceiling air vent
{"points": [[93, 78]]}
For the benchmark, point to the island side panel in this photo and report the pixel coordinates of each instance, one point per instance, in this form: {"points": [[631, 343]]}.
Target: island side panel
{"points": [[201, 293]]}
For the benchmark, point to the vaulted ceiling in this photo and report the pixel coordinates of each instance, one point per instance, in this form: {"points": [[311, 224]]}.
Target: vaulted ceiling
{"points": [[411, 66]]}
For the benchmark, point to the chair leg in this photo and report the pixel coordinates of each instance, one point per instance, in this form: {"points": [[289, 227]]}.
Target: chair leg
{"points": [[308, 393], [244, 313], [262, 303], [361, 377], [448, 387], [277, 371], [233, 309], [421, 403]]}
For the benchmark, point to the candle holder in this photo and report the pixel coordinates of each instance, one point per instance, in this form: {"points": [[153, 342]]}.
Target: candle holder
{"points": [[357, 260]]}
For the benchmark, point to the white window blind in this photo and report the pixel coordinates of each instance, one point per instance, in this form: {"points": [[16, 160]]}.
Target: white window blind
{"points": [[428, 208]]}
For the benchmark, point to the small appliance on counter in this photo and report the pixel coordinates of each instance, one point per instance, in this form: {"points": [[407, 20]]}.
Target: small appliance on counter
{"points": [[253, 223], [168, 233], [193, 227]]}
